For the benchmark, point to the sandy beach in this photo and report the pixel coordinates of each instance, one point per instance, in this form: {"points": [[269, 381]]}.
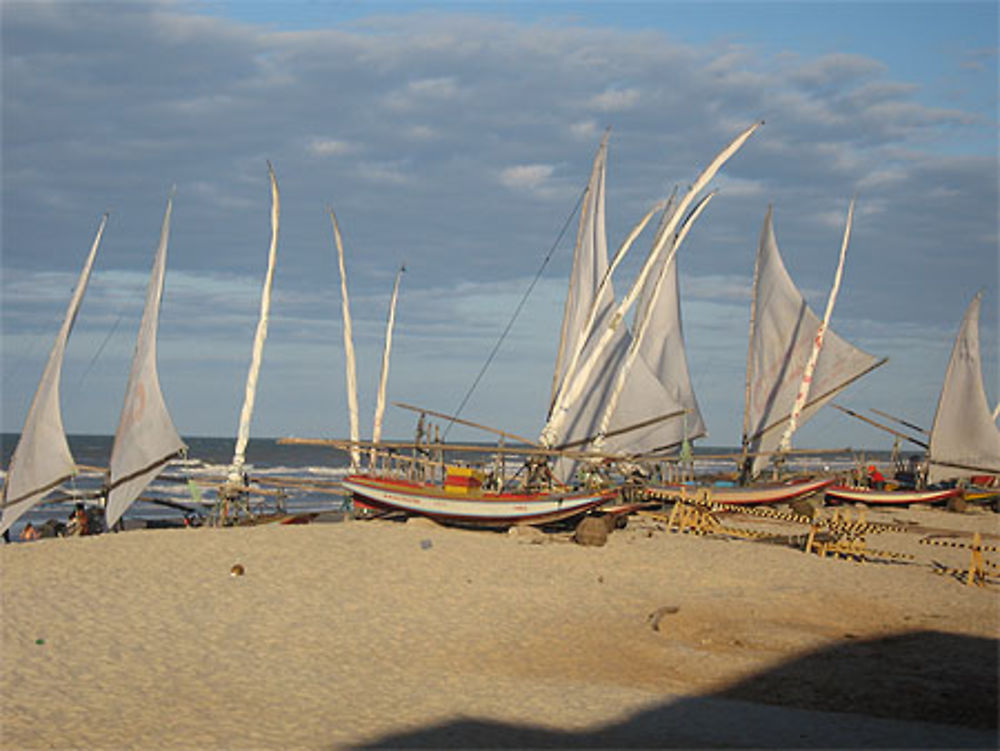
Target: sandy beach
{"points": [[389, 634]]}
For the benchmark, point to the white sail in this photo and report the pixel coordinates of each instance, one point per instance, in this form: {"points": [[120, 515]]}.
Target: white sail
{"points": [[586, 297], [621, 415], [250, 394], [782, 340], [805, 386], [658, 339], [349, 361], [146, 438], [605, 334], [384, 373], [42, 459], [964, 438]]}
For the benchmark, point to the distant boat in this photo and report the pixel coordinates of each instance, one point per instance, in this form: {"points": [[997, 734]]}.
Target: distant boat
{"points": [[42, 460]]}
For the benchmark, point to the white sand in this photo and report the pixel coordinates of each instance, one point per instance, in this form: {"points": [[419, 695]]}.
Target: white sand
{"points": [[342, 635]]}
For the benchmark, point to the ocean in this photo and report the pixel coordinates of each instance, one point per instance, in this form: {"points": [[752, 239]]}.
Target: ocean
{"points": [[191, 479], [187, 478]]}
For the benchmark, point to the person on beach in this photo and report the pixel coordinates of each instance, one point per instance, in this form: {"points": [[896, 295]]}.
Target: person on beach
{"points": [[876, 480], [79, 522], [29, 533]]}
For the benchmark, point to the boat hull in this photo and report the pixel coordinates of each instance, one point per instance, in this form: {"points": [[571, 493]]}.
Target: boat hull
{"points": [[476, 508], [743, 496], [847, 494]]}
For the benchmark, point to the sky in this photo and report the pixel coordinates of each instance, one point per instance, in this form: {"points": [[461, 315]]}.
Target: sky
{"points": [[455, 138]]}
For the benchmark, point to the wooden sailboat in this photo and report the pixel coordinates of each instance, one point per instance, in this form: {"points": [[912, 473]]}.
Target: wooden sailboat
{"points": [[42, 459], [605, 380], [896, 497], [964, 439], [146, 439], [795, 365], [470, 504], [783, 358]]}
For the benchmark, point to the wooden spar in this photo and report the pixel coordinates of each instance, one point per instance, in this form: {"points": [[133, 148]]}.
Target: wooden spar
{"points": [[900, 421], [345, 444], [501, 433], [828, 395], [740, 456], [627, 429], [969, 467], [879, 425]]}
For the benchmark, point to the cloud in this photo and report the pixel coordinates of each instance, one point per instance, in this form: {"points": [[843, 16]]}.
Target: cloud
{"points": [[531, 177], [326, 147], [460, 143], [836, 69], [615, 100]]}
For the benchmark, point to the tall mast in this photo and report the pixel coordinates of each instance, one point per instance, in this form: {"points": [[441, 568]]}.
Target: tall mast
{"points": [[250, 394], [351, 372], [384, 375], [807, 374]]}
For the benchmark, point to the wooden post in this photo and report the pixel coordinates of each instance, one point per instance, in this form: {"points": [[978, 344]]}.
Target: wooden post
{"points": [[977, 573]]}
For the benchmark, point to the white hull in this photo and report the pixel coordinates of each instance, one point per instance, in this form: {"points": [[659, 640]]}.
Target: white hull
{"points": [[471, 508], [746, 495], [843, 493]]}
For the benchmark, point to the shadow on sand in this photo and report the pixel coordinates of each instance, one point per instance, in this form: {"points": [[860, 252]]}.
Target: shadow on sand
{"points": [[916, 690]]}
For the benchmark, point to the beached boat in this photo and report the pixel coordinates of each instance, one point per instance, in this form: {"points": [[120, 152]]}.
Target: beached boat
{"points": [[742, 495], [607, 380], [470, 505], [146, 439], [42, 460], [873, 497], [964, 444], [795, 364]]}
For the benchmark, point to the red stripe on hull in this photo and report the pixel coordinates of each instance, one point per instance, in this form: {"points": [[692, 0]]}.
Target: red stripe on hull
{"points": [[485, 509], [843, 494]]}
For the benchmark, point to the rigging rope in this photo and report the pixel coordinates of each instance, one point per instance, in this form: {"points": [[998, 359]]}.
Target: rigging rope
{"points": [[517, 312]]}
